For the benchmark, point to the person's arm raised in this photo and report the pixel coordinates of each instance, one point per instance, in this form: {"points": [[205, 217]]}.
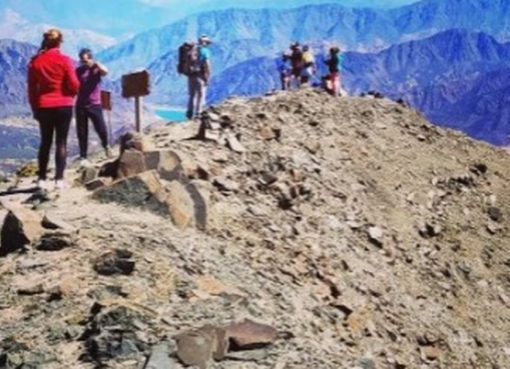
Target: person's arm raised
{"points": [[101, 68]]}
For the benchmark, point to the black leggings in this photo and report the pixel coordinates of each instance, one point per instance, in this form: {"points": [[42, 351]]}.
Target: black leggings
{"points": [[51, 120], [95, 113]]}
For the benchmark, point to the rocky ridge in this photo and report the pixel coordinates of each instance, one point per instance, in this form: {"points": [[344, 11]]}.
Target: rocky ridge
{"points": [[367, 237]]}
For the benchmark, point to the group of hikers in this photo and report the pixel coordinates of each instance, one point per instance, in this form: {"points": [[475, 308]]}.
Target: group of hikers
{"points": [[298, 67], [56, 88]]}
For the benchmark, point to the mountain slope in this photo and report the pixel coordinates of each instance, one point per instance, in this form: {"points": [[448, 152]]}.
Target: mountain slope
{"points": [[15, 27], [14, 59], [355, 29], [441, 76], [480, 108], [365, 235]]}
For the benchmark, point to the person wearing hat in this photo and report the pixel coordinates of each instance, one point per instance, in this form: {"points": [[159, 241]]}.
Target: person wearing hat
{"points": [[283, 67], [297, 64], [199, 81], [334, 64], [309, 67]]}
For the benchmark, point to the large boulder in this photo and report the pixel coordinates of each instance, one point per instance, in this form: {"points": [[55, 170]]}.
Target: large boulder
{"points": [[20, 228], [181, 201], [131, 162], [166, 162], [137, 190]]}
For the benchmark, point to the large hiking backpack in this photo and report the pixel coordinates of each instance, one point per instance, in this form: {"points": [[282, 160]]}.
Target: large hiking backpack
{"points": [[189, 59], [296, 59]]}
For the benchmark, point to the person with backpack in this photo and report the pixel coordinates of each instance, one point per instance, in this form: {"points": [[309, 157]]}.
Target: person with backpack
{"points": [[88, 103], [195, 64], [309, 66], [52, 86], [283, 67], [334, 64], [297, 64]]}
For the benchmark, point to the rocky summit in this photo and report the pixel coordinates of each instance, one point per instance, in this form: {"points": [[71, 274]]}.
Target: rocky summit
{"points": [[295, 230]]}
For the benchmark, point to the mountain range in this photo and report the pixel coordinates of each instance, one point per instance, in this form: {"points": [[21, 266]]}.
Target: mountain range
{"points": [[434, 54], [125, 18], [16, 27]]}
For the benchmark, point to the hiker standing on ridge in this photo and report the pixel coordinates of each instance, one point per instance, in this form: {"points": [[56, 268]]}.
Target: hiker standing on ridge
{"points": [[283, 67], [309, 66], [88, 103], [52, 86], [195, 63], [334, 64], [297, 64]]}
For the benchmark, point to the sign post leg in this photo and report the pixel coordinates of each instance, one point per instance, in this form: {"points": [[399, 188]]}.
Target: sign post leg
{"points": [[138, 115], [110, 133]]}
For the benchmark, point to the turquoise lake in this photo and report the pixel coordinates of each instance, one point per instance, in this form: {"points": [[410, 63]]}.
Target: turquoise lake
{"points": [[172, 115]]}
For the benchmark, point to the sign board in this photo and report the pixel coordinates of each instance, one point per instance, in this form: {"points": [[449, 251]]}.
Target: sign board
{"points": [[136, 84], [106, 100]]}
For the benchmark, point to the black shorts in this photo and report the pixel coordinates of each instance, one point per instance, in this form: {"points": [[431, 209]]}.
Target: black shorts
{"points": [[296, 72]]}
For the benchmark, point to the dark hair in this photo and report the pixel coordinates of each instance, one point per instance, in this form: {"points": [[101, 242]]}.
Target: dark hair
{"points": [[85, 51], [334, 50], [52, 38]]}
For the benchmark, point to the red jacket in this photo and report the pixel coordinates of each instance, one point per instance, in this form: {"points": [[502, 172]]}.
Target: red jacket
{"points": [[52, 81]]}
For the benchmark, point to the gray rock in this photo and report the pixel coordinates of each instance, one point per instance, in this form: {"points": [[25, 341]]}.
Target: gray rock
{"points": [[375, 235], [51, 221], [226, 185], [55, 241], [495, 214], [160, 358]]}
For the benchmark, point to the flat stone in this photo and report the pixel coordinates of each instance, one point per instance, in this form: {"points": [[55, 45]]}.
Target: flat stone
{"points": [[97, 183], [88, 174], [166, 163], [224, 184], [214, 287], [55, 241], [267, 178], [375, 234], [495, 214], [234, 144], [160, 358], [267, 133], [180, 205], [431, 352], [249, 334], [115, 262], [36, 289], [197, 347], [131, 162], [51, 221]]}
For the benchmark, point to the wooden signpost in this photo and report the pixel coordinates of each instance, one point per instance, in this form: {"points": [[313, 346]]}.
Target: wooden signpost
{"points": [[136, 85], [106, 104]]}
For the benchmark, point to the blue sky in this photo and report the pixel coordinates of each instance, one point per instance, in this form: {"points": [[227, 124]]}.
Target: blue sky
{"points": [[194, 5]]}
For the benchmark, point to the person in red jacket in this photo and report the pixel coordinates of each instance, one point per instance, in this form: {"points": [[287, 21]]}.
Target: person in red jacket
{"points": [[52, 86]]}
